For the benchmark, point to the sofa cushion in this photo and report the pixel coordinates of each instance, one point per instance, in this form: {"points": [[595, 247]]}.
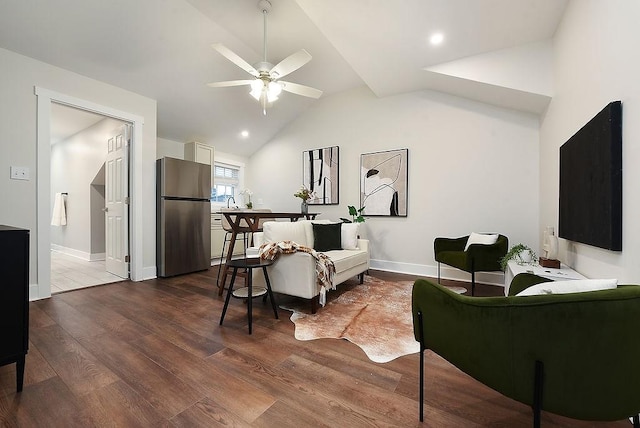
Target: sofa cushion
{"points": [[349, 236], [571, 286], [481, 238], [275, 231], [327, 237], [346, 259]]}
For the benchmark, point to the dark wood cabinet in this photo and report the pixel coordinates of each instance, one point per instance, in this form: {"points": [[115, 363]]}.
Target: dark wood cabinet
{"points": [[14, 298]]}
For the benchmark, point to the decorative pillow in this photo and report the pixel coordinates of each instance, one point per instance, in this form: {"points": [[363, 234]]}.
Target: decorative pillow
{"points": [[349, 236], [326, 237], [309, 230], [572, 286], [481, 238], [275, 231]]}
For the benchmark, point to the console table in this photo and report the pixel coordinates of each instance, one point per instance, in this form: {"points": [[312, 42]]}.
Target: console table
{"points": [[249, 221], [513, 268]]}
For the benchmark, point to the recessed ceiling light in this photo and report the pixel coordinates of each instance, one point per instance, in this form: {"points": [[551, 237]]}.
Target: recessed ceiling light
{"points": [[436, 38], [244, 133]]}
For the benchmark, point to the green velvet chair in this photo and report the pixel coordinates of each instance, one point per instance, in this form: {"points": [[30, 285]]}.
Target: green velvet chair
{"points": [[576, 355], [478, 258]]}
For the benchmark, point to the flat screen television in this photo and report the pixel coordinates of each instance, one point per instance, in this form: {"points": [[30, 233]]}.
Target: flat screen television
{"points": [[591, 182]]}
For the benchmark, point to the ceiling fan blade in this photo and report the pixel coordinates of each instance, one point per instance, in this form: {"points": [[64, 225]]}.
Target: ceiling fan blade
{"points": [[305, 91], [234, 58], [290, 63], [230, 83]]}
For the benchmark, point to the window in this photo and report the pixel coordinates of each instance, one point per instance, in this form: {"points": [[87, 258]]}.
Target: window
{"points": [[226, 182]]}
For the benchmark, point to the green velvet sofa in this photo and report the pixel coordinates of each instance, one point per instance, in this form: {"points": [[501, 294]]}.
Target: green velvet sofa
{"points": [[576, 355]]}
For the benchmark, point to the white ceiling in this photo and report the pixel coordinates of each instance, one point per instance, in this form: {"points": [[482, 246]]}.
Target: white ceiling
{"points": [[67, 121], [162, 49]]}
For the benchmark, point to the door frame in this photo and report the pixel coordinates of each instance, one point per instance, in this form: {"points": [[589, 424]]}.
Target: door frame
{"points": [[43, 165]]}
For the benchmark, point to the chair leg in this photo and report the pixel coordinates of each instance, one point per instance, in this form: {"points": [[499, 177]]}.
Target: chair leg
{"points": [[636, 421], [537, 393], [421, 366], [438, 272], [224, 243], [473, 283]]}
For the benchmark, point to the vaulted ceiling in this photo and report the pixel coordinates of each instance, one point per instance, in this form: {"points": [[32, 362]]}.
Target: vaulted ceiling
{"points": [[162, 49]]}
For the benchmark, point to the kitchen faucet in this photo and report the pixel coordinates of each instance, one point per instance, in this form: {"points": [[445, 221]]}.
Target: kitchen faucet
{"points": [[228, 200]]}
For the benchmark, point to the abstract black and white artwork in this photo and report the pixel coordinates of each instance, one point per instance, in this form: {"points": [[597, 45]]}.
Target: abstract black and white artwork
{"points": [[383, 183], [320, 175]]}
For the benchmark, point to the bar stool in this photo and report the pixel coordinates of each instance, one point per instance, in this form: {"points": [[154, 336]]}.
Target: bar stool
{"points": [[245, 230], [247, 292]]}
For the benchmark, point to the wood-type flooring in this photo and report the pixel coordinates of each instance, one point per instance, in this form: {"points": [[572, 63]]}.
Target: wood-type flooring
{"points": [[151, 354]]}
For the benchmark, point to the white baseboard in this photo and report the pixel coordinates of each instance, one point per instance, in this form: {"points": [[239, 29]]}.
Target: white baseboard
{"points": [[94, 257], [89, 257], [148, 272], [446, 272], [34, 292]]}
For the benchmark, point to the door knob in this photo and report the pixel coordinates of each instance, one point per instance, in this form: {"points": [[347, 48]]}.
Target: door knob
{"points": [[105, 209]]}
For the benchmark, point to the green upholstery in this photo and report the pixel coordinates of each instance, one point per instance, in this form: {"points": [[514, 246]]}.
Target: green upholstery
{"points": [[478, 258], [587, 343]]}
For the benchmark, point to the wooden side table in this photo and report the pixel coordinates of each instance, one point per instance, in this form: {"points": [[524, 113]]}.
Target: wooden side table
{"points": [[248, 292]]}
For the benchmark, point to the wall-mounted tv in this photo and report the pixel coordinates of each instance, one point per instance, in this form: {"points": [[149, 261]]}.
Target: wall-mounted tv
{"points": [[591, 182]]}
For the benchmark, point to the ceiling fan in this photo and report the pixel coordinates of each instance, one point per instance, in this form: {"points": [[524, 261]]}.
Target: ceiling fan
{"points": [[266, 86]]}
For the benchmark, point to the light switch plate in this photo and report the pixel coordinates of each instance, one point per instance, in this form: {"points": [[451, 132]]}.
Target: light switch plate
{"points": [[19, 173]]}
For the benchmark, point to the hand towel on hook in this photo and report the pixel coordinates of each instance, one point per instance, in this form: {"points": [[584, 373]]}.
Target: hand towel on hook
{"points": [[59, 217]]}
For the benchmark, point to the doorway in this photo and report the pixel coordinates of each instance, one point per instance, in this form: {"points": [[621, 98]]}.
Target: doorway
{"points": [[80, 143], [45, 100]]}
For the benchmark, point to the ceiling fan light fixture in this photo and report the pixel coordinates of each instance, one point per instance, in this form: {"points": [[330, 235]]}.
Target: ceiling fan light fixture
{"points": [[273, 91], [256, 89], [265, 86]]}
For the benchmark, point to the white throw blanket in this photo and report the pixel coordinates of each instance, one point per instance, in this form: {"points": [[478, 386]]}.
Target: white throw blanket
{"points": [[59, 217], [325, 269]]}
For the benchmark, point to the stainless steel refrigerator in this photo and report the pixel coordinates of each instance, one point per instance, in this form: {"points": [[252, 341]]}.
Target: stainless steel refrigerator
{"points": [[183, 242]]}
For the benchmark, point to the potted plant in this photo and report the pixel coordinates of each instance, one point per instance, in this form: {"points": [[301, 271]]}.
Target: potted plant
{"points": [[304, 194], [521, 253], [247, 194], [356, 215]]}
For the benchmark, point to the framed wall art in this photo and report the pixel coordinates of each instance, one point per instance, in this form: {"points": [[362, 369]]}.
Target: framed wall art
{"points": [[384, 183], [320, 175]]}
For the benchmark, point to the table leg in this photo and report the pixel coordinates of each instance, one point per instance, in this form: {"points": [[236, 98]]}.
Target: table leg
{"points": [[225, 268], [249, 303], [273, 301], [20, 372], [226, 301]]}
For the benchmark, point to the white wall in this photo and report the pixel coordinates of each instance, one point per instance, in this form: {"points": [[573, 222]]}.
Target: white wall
{"points": [[472, 167], [175, 149], [18, 77], [75, 162], [596, 61], [170, 149]]}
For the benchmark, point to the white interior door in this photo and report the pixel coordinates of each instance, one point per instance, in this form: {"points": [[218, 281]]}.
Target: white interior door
{"points": [[116, 202]]}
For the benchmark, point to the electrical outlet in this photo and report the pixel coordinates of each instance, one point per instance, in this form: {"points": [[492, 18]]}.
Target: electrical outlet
{"points": [[19, 173]]}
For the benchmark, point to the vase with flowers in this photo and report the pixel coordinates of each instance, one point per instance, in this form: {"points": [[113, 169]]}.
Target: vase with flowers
{"points": [[304, 194], [246, 193]]}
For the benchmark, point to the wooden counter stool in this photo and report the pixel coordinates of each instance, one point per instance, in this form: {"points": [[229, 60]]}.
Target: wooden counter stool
{"points": [[248, 292]]}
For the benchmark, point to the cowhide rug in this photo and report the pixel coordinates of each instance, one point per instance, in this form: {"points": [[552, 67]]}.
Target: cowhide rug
{"points": [[375, 315]]}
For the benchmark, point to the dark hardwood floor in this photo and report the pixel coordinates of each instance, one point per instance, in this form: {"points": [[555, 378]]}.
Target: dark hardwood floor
{"points": [[152, 354]]}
